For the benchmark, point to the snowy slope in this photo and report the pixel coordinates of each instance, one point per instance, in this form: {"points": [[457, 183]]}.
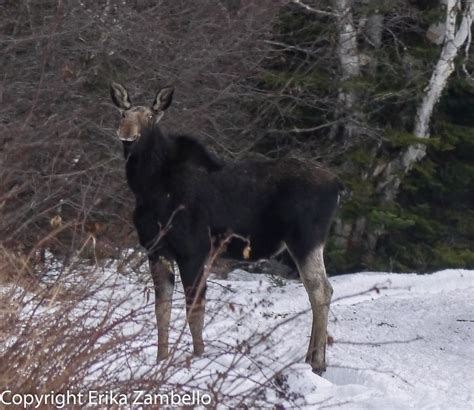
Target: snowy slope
{"points": [[407, 344]]}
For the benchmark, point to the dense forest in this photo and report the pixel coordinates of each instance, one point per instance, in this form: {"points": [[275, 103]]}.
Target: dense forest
{"points": [[381, 92]]}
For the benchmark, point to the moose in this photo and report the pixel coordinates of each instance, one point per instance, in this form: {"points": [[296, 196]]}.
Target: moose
{"points": [[273, 204]]}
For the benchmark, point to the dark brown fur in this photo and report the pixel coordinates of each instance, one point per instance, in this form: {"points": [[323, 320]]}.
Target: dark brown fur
{"points": [[287, 201]]}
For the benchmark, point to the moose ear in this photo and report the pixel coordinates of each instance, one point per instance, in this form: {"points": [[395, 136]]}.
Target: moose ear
{"points": [[120, 96], [163, 99]]}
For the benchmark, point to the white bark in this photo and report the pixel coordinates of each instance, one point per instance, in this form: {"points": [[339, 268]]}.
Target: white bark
{"points": [[350, 67], [347, 42], [349, 62], [347, 50], [373, 32], [374, 29], [312, 9], [455, 37]]}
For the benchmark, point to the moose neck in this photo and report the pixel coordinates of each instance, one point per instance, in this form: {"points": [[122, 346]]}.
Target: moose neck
{"points": [[146, 158]]}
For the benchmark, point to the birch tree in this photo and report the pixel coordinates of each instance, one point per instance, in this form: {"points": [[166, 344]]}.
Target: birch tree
{"points": [[349, 115], [349, 60], [459, 16]]}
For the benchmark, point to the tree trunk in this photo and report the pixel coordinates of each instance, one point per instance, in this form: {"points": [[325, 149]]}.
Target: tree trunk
{"points": [[349, 65], [455, 38], [350, 234], [373, 31]]}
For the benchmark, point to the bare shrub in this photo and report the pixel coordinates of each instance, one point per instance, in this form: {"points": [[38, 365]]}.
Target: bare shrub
{"points": [[96, 332], [59, 158]]}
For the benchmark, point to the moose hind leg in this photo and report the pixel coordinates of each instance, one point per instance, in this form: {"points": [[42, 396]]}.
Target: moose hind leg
{"points": [[163, 280], [319, 289]]}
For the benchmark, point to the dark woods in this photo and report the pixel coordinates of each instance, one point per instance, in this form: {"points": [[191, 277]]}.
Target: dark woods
{"points": [[272, 85]]}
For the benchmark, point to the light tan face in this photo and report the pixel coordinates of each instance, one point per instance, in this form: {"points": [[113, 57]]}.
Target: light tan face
{"points": [[135, 122], [138, 120]]}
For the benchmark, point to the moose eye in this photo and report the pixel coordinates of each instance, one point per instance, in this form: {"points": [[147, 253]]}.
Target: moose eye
{"points": [[123, 114]]}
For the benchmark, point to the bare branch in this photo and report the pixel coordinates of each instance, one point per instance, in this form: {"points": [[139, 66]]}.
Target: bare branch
{"points": [[313, 10]]}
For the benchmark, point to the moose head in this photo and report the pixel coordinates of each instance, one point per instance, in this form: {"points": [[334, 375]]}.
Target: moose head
{"points": [[137, 120]]}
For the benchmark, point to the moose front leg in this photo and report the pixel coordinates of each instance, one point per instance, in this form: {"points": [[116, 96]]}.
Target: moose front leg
{"points": [[194, 284], [313, 274], [163, 281]]}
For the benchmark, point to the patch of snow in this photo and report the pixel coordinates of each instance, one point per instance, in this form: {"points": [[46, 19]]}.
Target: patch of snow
{"points": [[407, 343]]}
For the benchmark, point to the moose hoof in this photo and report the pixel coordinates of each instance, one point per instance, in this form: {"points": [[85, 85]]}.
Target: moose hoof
{"points": [[198, 350], [161, 356], [319, 370]]}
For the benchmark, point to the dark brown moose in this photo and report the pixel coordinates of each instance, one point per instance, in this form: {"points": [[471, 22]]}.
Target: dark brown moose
{"points": [[276, 204]]}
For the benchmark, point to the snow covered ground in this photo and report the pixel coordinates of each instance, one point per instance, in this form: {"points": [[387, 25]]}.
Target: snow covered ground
{"points": [[409, 343]]}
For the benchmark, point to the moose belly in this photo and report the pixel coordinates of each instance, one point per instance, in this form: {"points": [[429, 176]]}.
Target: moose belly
{"points": [[248, 247]]}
